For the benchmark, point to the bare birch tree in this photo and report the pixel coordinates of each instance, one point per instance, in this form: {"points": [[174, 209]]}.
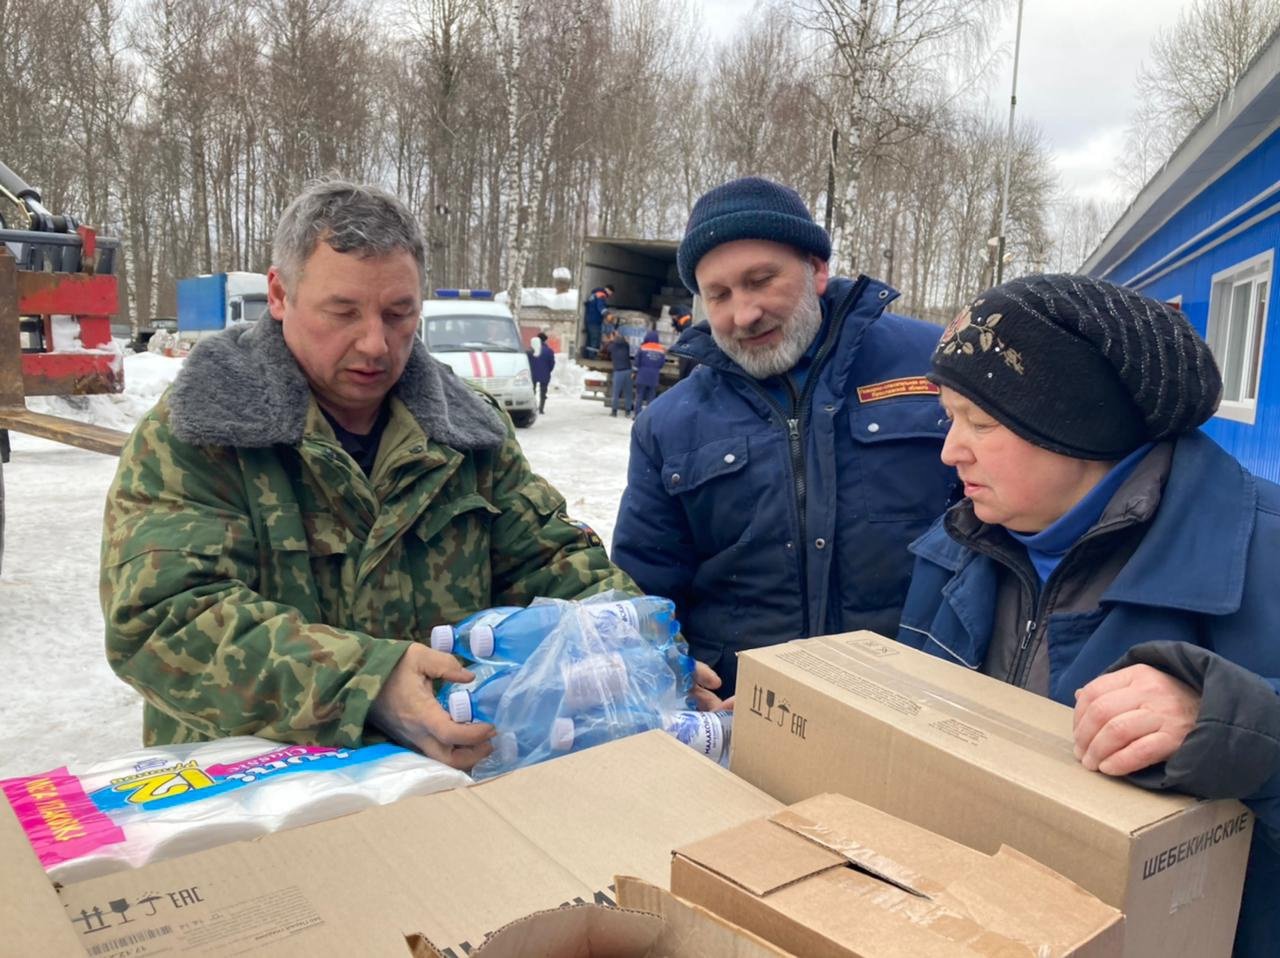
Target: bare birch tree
{"points": [[518, 257], [884, 56]]}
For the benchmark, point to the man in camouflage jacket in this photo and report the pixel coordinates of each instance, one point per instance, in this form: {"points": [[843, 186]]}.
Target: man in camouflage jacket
{"points": [[258, 579]]}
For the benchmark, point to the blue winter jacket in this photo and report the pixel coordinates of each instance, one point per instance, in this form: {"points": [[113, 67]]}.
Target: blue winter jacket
{"points": [[649, 360], [541, 363], [595, 308], [1205, 573], [766, 522]]}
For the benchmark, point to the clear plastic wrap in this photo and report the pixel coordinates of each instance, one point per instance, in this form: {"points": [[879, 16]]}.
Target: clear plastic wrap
{"points": [[158, 803], [613, 658]]}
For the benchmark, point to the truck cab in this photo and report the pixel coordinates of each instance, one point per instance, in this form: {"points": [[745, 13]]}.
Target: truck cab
{"points": [[478, 339]]}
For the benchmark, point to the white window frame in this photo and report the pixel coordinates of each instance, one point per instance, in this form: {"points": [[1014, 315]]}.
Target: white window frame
{"points": [[1252, 272]]}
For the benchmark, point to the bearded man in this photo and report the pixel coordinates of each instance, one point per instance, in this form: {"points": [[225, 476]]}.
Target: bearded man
{"points": [[773, 493]]}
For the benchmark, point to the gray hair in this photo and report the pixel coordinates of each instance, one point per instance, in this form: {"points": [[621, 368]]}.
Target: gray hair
{"points": [[349, 218]]}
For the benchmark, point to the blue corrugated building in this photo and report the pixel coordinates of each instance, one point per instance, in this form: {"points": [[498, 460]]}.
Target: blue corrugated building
{"points": [[1204, 234]]}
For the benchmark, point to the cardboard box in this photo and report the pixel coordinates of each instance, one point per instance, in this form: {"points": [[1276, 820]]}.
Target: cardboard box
{"points": [[987, 764], [452, 866], [649, 923], [833, 878]]}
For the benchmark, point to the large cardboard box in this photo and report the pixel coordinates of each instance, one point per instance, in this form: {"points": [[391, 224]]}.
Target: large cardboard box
{"points": [[451, 867], [650, 922], [987, 764], [833, 878]]}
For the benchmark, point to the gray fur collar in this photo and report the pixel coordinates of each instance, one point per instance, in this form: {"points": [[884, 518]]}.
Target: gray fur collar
{"points": [[243, 387]]}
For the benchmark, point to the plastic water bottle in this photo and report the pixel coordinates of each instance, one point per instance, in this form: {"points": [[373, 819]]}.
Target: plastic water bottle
{"points": [[653, 617], [477, 700], [507, 634], [707, 732], [473, 637], [611, 682], [612, 677], [573, 734]]}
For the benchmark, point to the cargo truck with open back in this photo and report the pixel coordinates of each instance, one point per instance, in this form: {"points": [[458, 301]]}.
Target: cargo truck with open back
{"points": [[645, 285]]}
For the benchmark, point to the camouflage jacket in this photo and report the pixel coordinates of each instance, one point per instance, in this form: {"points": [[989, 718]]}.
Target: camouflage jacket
{"points": [[255, 581]]}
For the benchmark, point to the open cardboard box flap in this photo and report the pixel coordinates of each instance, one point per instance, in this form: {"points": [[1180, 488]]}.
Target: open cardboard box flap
{"points": [[832, 876], [760, 857]]}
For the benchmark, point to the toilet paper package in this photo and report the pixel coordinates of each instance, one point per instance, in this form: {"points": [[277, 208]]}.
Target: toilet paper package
{"points": [[158, 803]]}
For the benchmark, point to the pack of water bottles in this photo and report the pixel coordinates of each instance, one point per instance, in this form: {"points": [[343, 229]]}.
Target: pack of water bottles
{"points": [[562, 676]]}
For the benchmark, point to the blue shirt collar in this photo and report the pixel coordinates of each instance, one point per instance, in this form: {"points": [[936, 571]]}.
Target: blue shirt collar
{"points": [[1047, 547]]}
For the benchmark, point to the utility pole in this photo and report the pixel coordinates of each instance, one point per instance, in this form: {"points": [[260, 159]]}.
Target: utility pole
{"points": [[1008, 153]]}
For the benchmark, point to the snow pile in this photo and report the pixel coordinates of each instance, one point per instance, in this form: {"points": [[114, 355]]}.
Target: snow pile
{"points": [[146, 376], [545, 297], [567, 377], [65, 333]]}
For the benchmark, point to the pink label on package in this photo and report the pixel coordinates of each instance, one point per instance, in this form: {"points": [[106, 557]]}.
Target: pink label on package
{"points": [[60, 820], [279, 755]]}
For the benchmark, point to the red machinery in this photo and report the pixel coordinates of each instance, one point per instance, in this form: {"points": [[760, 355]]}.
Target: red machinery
{"points": [[58, 293]]}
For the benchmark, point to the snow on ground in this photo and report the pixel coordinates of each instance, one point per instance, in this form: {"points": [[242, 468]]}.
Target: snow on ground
{"points": [[62, 704]]}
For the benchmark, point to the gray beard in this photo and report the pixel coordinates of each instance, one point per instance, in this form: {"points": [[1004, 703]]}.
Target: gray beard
{"points": [[798, 332]]}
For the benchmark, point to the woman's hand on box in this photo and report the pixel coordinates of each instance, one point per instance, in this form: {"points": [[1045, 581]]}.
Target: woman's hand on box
{"points": [[1132, 718]]}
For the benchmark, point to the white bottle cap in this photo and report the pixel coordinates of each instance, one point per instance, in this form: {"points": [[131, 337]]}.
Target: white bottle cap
{"points": [[460, 706], [561, 737], [442, 638], [481, 641]]}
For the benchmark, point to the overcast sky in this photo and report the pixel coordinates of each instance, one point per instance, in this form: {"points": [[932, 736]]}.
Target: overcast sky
{"points": [[1075, 79]]}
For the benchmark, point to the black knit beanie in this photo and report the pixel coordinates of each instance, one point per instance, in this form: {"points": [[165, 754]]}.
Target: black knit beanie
{"points": [[1079, 366], [749, 208]]}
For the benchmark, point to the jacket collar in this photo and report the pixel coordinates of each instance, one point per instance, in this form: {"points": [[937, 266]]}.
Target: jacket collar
{"points": [[937, 546], [1193, 555], [243, 388], [849, 305]]}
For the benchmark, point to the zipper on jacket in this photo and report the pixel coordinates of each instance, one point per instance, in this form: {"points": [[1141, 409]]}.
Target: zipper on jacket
{"points": [[800, 404], [792, 425], [795, 423], [1031, 601], [1021, 656], [797, 454], [1020, 670], [797, 458]]}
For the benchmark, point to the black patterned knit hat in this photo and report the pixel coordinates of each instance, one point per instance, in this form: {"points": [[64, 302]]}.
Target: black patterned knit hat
{"points": [[1079, 366], [749, 208]]}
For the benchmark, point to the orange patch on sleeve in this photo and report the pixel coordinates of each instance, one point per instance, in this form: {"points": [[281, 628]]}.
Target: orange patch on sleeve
{"points": [[891, 388]]}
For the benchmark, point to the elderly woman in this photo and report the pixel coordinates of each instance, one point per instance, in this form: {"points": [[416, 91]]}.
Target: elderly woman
{"points": [[1107, 553]]}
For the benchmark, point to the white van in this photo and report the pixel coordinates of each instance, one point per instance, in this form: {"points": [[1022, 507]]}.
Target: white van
{"points": [[479, 340]]}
